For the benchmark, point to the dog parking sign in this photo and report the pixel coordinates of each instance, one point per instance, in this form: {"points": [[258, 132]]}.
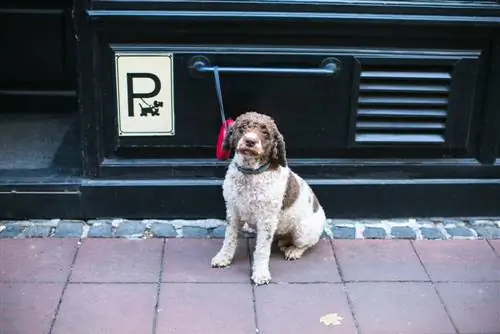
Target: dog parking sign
{"points": [[145, 94]]}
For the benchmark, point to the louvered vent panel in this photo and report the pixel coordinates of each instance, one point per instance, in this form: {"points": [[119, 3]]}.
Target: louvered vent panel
{"points": [[402, 104]]}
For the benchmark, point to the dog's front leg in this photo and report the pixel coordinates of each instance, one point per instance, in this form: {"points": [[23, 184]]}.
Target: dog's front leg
{"points": [[225, 255], [265, 233]]}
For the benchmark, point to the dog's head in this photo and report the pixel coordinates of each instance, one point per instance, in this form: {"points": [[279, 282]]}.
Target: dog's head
{"points": [[256, 136]]}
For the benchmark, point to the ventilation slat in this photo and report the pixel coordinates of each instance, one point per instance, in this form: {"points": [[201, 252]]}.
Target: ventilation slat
{"points": [[399, 126], [428, 113], [403, 104], [432, 101], [400, 138], [374, 87], [404, 75]]}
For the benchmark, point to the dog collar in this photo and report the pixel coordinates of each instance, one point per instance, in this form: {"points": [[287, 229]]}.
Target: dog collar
{"points": [[254, 171]]}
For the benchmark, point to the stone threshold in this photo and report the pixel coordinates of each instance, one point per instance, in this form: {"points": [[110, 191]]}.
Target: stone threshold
{"points": [[412, 229]]}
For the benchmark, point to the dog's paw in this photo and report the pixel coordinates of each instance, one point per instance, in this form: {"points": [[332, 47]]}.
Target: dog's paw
{"points": [[260, 278], [220, 261], [247, 229], [283, 245], [293, 253]]}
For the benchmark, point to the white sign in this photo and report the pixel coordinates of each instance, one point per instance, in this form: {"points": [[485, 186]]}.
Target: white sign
{"points": [[145, 94]]}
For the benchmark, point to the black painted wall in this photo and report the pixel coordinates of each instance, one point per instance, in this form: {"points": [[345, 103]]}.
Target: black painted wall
{"points": [[37, 62], [437, 163]]}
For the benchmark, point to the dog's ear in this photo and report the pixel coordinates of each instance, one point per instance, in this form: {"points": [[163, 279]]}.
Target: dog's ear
{"points": [[279, 151], [228, 143]]}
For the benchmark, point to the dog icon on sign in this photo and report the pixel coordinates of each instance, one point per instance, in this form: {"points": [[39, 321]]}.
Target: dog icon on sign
{"points": [[148, 109]]}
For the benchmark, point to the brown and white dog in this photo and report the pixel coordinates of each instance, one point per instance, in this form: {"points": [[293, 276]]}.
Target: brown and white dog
{"points": [[260, 190]]}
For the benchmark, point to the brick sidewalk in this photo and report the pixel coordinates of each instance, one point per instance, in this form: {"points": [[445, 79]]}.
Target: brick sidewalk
{"points": [[167, 286]]}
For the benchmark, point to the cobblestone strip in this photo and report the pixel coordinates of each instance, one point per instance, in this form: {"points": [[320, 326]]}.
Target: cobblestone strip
{"points": [[411, 229]]}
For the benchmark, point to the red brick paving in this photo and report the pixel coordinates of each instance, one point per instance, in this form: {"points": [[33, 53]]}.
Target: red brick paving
{"points": [[113, 286], [28, 308], [474, 307], [319, 265], [496, 245], [36, 260], [188, 260], [298, 308], [206, 308], [119, 261], [394, 307], [459, 260], [107, 308], [379, 260]]}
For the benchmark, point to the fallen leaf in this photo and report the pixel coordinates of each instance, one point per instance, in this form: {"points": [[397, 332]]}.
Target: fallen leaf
{"points": [[331, 319]]}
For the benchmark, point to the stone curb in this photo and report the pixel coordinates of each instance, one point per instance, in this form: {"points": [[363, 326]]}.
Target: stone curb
{"points": [[410, 229]]}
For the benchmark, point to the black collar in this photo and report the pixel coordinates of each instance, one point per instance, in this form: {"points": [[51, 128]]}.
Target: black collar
{"points": [[254, 171]]}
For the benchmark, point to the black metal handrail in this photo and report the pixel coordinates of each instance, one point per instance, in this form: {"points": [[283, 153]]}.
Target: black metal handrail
{"points": [[329, 66]]}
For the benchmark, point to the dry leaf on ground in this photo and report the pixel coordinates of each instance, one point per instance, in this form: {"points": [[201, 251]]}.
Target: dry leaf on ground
{"points": [[331, 319]]}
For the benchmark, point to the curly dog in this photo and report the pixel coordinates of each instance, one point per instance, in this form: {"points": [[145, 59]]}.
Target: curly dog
{"points": [[262, 192]]}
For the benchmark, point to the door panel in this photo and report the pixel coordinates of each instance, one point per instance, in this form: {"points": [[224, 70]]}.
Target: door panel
{"points": [[392, 103], [312, 110]]}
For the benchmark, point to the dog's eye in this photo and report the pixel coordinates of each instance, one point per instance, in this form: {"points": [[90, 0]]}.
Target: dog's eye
{"points": [[241, 128]]}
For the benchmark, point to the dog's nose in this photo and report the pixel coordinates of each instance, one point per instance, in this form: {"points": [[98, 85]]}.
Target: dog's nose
{"points": [[250, 142]]}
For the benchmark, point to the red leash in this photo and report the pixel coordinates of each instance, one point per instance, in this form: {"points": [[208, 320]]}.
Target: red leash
{"points": [[220, 153]]}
